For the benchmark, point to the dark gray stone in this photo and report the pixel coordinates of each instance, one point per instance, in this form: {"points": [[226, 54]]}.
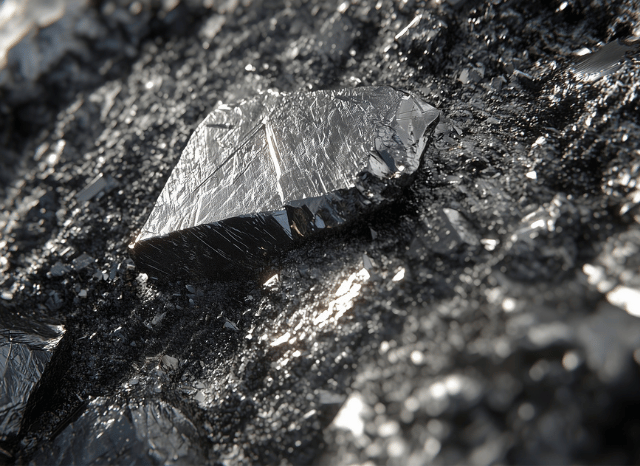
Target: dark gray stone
{"points": [[26, 347], [106, 433]]}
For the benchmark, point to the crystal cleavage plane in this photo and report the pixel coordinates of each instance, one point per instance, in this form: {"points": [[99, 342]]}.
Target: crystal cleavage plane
{"points": [[256, 177]]}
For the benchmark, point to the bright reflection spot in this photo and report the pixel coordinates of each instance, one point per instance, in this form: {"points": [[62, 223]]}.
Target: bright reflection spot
{"points": [[453, 384], [509, 304], [272, 281], [350, 415], [489, 244], [388, 429], [541, 140], [413, 22], [398, 276], [52, 158], [538, 224], [432, 447], [626, 298], [594, 274], [532, 175], [283, 339], [347, 292], [417, 357], [345, 286], [563, 5], [149, 84], [438, 390], [571, 360]]}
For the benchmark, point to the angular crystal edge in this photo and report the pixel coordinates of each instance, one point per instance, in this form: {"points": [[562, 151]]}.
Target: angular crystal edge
{"points": [[240, 247]]}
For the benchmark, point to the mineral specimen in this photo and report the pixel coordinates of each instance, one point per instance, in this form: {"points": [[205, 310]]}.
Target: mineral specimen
{"points": [[26, 347], [258, 176], [135, 433]]}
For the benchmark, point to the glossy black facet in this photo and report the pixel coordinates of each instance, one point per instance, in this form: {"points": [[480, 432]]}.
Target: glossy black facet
{"points": [[146, 433], [26, 347]]}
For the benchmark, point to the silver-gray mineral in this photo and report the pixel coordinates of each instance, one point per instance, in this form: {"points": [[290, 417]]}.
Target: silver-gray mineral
{"points": [[258, 176]]}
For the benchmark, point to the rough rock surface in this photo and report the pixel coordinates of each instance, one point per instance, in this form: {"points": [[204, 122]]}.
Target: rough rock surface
{"points": [[488, 316], [256, 177]]}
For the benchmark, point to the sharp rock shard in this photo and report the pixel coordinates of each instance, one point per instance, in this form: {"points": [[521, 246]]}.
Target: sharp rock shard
{"points": [[606, 60], [257, 176], [26, 348]]}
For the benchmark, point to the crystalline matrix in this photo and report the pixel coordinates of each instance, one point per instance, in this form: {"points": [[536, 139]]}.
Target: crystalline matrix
{"points": [[258, 176]]}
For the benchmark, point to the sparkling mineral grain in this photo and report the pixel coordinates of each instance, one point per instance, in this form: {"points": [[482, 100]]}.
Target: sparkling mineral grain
{"points": [[258, 176]]}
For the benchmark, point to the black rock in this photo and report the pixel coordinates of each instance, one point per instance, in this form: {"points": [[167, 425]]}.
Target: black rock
{"points": [[148, 433], [258, 176], [26, 347]]}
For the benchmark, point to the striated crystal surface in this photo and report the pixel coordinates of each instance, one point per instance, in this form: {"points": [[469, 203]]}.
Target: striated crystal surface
{"points": [[607, 59], [257, 176]]}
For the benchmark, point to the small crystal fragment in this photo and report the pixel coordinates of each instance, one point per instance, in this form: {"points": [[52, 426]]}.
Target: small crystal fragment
{"points": [[99, 185], [497, 83], [59, 269], [283, 339], [272, 282], [231, 326], [170, 362], [158, 318], [82, 261]]}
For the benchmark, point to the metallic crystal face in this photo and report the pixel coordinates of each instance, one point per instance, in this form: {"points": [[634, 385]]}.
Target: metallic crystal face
{"points": [[606, 60], [153, 432], [26, 348], [259, 175]]}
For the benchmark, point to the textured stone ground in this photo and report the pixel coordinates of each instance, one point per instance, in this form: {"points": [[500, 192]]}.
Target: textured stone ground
{"points": [[496, 318]]}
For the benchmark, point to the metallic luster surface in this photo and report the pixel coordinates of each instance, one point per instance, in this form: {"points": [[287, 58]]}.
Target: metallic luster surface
{"points": [[26, 348], [259, 175], [607, 59], [149, 433]]}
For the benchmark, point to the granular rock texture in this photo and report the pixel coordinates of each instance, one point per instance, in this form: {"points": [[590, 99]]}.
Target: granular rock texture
{"points": [[489, 314]]}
